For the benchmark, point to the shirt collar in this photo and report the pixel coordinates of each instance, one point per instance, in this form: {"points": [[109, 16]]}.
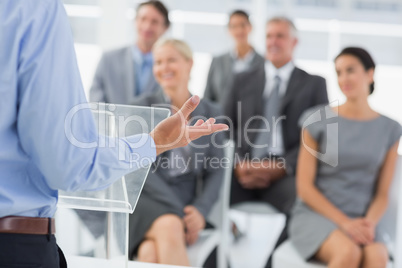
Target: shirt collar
{"points": [[140, 57], [166, 99], [284, 72], [249, 56]]}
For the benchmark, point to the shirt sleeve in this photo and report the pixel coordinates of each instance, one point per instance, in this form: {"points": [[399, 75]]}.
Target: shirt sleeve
{"points": [[53, 108]]}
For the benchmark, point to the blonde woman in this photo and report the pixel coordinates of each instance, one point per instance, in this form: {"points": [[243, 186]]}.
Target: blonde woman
{"points": [[172, 209]]}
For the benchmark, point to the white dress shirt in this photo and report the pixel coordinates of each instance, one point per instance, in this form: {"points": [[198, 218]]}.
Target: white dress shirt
{"points": [[242, 64], [284, 74]]}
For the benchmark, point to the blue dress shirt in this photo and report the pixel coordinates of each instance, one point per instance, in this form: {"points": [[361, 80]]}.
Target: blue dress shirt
{"points": [[39, 85], [143, 64]]}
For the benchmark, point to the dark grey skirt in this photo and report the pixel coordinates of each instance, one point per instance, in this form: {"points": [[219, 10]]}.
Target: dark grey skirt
{"points": [[308, 230], [145, 213]]}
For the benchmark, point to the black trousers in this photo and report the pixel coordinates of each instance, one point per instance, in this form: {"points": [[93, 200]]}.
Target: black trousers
{"points": [[281, 194], [30, 251]]}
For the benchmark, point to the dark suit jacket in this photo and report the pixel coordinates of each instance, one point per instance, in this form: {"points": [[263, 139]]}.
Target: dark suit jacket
{"points": [[172, 191], [220, 76], [303, 91]]}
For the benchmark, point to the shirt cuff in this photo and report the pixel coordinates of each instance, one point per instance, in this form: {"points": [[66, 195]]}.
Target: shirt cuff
{"points": [[141, 150]]}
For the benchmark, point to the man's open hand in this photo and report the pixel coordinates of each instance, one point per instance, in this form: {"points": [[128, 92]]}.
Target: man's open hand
{"points": [[174, 132]]}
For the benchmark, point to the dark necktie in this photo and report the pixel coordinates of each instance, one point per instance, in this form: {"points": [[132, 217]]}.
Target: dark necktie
{"points": [[267, 139]]}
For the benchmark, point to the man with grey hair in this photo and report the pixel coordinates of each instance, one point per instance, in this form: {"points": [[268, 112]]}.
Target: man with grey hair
{"points": [[266, 105]]}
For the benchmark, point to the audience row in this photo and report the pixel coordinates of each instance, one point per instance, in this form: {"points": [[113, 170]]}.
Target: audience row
{"points": [[328, 169]]}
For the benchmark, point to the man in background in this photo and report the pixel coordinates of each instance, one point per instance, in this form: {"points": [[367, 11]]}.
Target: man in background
{"points": [[126, 73], [270, 98]]}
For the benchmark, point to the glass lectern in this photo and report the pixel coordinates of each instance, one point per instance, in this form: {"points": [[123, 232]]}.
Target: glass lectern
{"points": [[95, 223]]}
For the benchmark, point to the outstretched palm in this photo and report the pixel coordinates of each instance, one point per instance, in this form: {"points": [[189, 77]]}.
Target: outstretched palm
{"points": [[174, 131]]}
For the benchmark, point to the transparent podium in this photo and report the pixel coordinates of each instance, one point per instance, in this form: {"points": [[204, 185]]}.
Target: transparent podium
{"points": [[95, 224]]}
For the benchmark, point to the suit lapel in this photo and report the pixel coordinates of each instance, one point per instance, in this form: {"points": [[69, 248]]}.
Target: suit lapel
{"points": [[253, 82], [155, 99], [256, 61], [256, 93], [294, 84], [228, 68], [199, 112], [158, 97], [129, 72]]}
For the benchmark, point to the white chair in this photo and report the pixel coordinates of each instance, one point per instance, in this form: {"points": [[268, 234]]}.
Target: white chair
{"points": [[390, 222], [219, 236], [255, 208], [261, 225], [287, 256]]}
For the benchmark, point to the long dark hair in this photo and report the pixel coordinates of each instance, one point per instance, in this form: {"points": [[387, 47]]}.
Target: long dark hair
{"points": [[363, 56]]}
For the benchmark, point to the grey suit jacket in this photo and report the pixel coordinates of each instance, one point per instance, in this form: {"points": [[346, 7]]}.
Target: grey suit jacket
{"points": [[114, 80], [220, 76], [303, 91], [199, 187]]}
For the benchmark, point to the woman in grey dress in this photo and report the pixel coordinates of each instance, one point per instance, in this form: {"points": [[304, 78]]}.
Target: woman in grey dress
{"points": [[183, 184], [345, 168]]}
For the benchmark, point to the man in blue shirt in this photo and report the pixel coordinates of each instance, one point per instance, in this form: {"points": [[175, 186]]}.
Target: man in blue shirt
{"points": [[125, 73], [39, 85]]}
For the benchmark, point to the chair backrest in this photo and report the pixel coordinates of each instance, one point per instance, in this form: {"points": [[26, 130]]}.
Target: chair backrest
{"points": [[221, 206], [390, 224], [219, 215]]}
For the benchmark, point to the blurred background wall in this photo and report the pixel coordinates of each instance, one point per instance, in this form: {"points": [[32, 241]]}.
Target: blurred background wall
{"points": [[325, 27]]}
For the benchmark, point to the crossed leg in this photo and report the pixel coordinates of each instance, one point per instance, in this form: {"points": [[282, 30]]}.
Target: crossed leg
{"points": [[147, 251], [165, 242]]}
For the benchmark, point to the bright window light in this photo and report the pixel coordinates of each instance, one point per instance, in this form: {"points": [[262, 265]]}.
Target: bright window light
{"points": [[85, 11]]}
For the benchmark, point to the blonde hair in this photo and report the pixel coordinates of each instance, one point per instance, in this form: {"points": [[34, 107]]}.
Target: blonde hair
{"points": [[182, 47]]}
